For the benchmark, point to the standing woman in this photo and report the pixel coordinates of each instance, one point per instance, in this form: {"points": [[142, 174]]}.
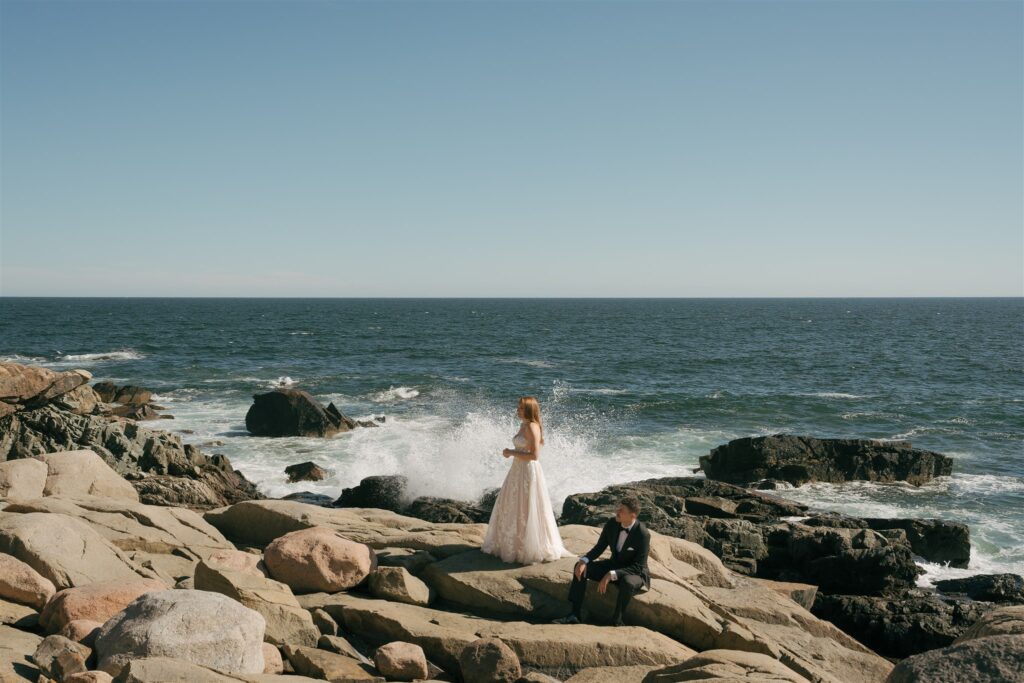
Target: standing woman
{"points": [[522, 527]]}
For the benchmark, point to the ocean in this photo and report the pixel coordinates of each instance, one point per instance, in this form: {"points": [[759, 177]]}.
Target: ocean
{"points": [[629, 388]]}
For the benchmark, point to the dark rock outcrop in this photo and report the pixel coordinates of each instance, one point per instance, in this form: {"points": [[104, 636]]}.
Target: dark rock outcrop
{"points": [[1001, 588], [294, 412], [753, 533], [935, 540], [305, 471], [389, 492], [900, 625], [802, 459]]}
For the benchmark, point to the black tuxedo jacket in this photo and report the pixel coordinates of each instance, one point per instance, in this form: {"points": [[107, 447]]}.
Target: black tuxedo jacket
{"points": [[633, 558]]}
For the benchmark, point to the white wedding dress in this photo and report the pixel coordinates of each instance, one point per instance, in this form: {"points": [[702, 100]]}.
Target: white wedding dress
{"points": [[522, 527]]}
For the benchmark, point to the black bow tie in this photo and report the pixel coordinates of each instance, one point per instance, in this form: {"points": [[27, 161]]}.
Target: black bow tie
{"points": [[624, 528]]}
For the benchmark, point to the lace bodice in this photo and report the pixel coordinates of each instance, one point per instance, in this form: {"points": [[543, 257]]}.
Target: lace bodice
{"points": [[519, 441]]}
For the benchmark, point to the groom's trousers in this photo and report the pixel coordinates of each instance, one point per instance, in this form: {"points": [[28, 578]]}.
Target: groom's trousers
{"points": [[628, 585]]}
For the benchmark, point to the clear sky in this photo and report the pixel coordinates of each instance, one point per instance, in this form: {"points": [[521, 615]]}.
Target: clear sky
{"points": [[789, 148]]}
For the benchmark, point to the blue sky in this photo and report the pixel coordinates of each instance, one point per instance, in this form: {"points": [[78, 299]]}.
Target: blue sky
{"points": [[434, 148]]}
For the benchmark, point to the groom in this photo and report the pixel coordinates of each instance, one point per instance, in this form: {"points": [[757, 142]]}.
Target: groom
{"points": [[630, 543]]}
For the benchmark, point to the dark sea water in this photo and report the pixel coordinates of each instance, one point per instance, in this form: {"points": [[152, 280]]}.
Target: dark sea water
{"points": [[629, 388]]}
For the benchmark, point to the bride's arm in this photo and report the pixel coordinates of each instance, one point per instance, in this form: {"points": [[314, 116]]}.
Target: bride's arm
{"points": [[532, 444]]}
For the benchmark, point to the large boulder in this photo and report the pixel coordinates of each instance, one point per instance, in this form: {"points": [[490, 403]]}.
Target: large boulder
{"points": [[547, 647], [22, 584], [198, 627], [73, 473], [994, 659], [294, 412], [95, 602], [65, 550], [318, 559], [25, 478], [803, 459], [286, 621]]}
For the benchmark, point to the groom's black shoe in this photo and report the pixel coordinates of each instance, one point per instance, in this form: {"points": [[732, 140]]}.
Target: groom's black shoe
{"points": [[571, 619]]}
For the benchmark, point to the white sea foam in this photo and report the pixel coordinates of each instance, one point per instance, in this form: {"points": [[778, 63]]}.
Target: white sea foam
{"points": [[281, 382], [394, 393], [123, 354], [834, 394], [23, 360]]}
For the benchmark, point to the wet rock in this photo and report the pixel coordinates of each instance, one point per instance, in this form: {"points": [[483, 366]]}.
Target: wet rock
{"points": [[294, 412], [994, 659], [901, 625], [389, 492], [802, 459], [305, 471], [1006, 588]]}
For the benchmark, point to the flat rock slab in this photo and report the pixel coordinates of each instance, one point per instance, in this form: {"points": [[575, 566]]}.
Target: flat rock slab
{"points": [[260, 522], [65, 550], [548, 647]]}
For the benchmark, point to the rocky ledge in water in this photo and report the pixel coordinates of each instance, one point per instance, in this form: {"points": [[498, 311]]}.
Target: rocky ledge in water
{"points": [[391, 492], [44, 411], [800, 460], [294, 412]]}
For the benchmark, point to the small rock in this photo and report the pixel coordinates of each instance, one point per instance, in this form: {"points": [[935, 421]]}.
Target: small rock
{"points": [[51, 648], [329, 666], [401, 661], [341, 646], [489, 659], [324, 623], [398, 585], [305, 471], [272, 661]]}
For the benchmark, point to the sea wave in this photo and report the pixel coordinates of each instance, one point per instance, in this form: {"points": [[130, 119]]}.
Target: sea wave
{"points": [[532, 362], [394, 393]]}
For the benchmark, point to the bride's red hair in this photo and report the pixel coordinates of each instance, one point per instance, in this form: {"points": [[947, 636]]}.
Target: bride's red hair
{"points": [[529, 409]]}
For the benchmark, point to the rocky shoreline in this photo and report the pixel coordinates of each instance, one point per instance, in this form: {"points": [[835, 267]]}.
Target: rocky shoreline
{"points": [[126, 555]]}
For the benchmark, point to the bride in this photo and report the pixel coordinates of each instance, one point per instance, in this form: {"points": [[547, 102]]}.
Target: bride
{"points": [[522, 527]]}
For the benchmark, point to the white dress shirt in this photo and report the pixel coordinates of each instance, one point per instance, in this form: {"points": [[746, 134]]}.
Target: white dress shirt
{"points": [[612, 576]]}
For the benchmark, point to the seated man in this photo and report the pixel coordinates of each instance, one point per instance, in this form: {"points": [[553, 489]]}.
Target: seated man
{"points": [[630, 543]]}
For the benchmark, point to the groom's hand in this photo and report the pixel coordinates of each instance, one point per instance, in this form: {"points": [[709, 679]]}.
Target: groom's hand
{"points": [[603, 586], [581, 569]]}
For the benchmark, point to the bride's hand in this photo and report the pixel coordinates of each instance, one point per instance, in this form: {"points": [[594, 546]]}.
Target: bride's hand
{"points": [[506, 453]]}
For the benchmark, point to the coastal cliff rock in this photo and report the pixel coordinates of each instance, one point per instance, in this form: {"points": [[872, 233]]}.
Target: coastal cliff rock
{"points": [[802, 459], [294, 412], [162, 469]]}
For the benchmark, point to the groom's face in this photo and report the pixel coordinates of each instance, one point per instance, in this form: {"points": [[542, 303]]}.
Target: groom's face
{"points": [[625, 516]]}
